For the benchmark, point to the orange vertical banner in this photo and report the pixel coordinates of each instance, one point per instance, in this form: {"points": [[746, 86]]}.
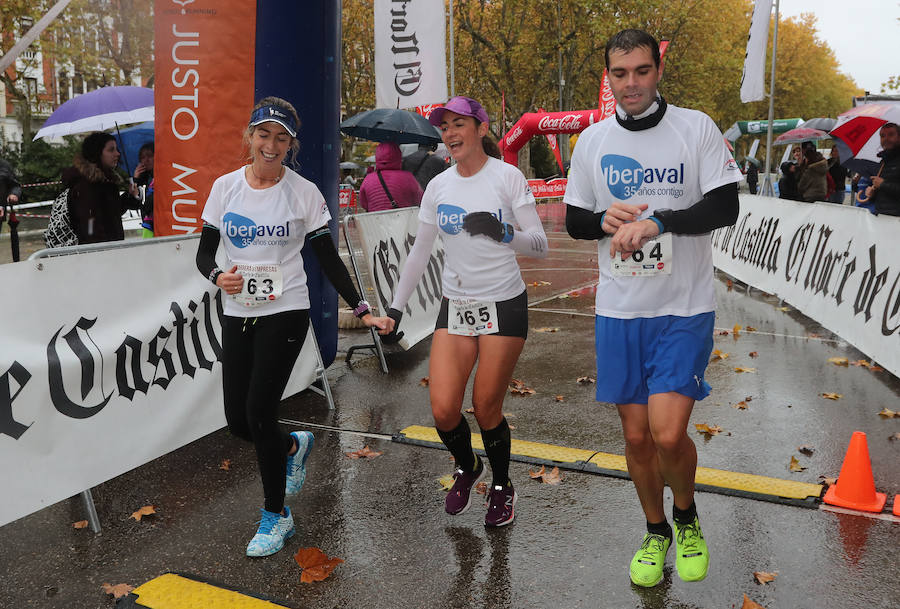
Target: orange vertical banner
{"points": [[204, 90]]}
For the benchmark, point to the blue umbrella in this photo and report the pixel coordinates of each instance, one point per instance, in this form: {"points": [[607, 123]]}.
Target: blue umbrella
{"points": [[129, 142], [99, 110]]}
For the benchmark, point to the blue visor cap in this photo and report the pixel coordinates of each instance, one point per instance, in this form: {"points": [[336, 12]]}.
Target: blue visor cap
{"points": [[275, 114]]}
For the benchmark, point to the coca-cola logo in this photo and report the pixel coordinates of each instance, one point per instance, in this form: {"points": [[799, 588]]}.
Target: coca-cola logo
{"points": [[569, 122], [514, 135]]}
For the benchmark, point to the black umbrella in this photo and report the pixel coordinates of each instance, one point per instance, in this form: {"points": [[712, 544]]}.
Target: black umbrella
{"points": [[391, 125], [13, 222]]}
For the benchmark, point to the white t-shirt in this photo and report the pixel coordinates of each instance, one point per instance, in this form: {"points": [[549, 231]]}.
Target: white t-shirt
{"points": [[670, 166], [477, 266], [267, 227]]}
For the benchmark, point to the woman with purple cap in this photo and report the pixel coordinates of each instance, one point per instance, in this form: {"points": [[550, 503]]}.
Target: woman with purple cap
{"points": [[473, 206], [262, 214]]}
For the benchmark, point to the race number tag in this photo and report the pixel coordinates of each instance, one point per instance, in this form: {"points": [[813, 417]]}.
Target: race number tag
{"points": [[469, 317], [262, 283], [655, 258]]}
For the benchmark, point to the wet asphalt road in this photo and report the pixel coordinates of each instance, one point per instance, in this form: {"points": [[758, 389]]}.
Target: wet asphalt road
{"points": [[571, 543]]}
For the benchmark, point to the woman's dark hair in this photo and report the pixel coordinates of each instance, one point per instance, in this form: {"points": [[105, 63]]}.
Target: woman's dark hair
{"points": [[93, 146], [488, 144], [629, 40], [148, 146]]}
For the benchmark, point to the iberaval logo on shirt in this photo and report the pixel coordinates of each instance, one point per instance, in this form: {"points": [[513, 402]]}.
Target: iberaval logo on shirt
{"points": [[625, 178], [243, 231], [450, 218]]}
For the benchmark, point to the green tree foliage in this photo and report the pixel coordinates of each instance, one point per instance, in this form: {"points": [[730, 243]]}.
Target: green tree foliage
{"points": [[103, 41], [38, 162]]}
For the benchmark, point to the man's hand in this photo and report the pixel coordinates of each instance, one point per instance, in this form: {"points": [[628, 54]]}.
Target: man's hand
{"points": [[876, 181], [631, 237], [619, 214]]}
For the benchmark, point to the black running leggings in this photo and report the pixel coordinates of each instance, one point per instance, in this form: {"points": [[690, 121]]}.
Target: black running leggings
{"points": [[258, 356]]}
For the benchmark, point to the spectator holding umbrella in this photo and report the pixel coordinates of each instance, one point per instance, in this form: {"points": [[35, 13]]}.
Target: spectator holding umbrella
{"points": [[752, 175], [838, 174], [10, 191], [885, 189], [811, 182], [95, 203]]}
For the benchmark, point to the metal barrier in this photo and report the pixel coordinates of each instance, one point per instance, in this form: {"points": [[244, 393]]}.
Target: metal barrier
{"points": [[320, 372], [375, 345]]}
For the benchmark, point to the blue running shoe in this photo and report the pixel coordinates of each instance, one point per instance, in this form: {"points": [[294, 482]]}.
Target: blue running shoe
{"points": [[273, 530], [296, 463]]}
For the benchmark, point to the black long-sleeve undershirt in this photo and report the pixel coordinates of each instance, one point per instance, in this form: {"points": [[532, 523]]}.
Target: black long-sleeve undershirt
{"points": [[719, 207], [320, 242]]}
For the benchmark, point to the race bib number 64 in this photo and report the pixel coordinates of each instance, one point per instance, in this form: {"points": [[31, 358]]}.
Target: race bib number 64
{"points": [[655, 258]]}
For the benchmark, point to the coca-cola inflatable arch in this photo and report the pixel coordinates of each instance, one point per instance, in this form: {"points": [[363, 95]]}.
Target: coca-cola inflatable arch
{"points": [[550, 123]]}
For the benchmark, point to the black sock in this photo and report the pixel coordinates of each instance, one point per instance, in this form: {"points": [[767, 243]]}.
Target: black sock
{"points": [[660, 528], [459, 442], [497, 445], [684, 516]]}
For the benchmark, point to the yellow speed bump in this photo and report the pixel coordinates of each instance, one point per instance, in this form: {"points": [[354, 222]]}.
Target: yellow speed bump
{"points": [[171, 591], [589, 461]]}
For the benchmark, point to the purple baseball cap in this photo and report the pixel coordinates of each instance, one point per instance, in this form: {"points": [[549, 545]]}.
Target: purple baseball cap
{"points": [[461, 105]]}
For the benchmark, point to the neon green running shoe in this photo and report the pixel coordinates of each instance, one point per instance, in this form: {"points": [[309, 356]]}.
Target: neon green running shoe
{"points": [[692, 556], [647, 565]]}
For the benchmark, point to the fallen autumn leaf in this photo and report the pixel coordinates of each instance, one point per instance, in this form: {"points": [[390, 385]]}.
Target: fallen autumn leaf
{"points": [[117, 591], [795, 465], [743, 369], [748, 604], [144, 511], [364, 453], [832, 396], [80, 524], [547, 329], [585, 380], [425, 380], [446, 482], [717, 355], [754, 354], [316, 565], [560, 398], [888, 414], [839, 361], [225, 464], [708, 430], [805, 450], [764, 577], [741, 405], [551, 477]]}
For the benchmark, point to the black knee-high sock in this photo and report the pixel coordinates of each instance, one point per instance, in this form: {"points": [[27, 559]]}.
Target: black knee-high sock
{"points": [[459, 442], [497, 445]]}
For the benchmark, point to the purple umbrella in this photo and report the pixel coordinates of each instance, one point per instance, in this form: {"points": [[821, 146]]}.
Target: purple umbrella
{"points": [[99, 110]]}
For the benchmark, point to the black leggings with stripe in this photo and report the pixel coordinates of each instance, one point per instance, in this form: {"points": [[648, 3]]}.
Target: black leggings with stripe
{"points": [[258, 356]]}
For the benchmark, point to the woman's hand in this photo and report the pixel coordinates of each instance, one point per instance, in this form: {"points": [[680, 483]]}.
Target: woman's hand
{"points": [[385, 325], [231, 281]]}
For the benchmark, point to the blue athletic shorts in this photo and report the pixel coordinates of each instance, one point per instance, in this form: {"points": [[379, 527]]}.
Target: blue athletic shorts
{"points": [[639, 357]]}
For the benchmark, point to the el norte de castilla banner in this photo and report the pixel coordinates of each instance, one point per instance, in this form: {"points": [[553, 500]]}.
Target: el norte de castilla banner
{"points": [[835, 263]]}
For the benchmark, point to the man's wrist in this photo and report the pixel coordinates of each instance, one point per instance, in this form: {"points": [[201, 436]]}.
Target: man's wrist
{"points": [[663, 219], [362, 309]]}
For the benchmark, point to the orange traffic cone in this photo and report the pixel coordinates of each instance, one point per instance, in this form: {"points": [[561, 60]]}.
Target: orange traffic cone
{"points": [[896, 505], [855, 487]]}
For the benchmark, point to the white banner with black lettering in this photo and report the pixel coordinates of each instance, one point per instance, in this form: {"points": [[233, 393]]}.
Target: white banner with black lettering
{"points": [[837, 264], [753, 80], [386, 238], [108, 360], [410, 58]]}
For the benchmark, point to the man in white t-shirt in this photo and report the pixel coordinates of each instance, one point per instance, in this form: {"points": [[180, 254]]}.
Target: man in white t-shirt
{"points": [[650, 184]]}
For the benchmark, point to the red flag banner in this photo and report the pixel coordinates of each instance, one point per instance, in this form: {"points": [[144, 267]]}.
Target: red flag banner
{"points": [[205, 56]]}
